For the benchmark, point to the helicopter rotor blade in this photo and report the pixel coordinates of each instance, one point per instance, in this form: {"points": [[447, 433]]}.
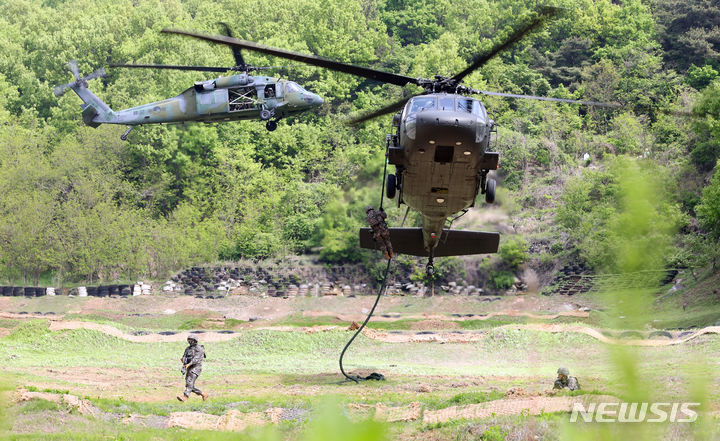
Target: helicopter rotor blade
{"points": [[373, 74], [390, 108], [99, 73], [73, 65], [237, 53], [546, 98], [61, 89], [545, 13], [176, 67]]}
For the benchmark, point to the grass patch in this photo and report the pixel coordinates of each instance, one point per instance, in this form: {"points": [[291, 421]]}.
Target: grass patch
{"points": [[52, 391], [9, 323], [215, 406], [463, 398], [38, 405]]}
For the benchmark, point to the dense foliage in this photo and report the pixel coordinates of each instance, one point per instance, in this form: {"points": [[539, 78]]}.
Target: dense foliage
{"points": [[80, 204]]}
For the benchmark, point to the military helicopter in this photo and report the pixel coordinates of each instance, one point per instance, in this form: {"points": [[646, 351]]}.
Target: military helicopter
{"points": [[231, 98], [440, 147]]}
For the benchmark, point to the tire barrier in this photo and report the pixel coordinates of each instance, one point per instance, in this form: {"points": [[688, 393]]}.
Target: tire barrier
{"points": [[577, 279], [93, 291]]}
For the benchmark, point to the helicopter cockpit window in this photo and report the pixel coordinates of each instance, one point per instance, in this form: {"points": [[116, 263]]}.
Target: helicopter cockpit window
{"points": [[424, 103], [270, 91], [464, 105], [476, 108], [446, 103], [291, 87]]}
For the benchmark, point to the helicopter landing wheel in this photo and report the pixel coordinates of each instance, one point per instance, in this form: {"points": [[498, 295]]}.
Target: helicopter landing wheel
{"points": [[490, 191], [391, 186], [271, 125], [265, 114]]}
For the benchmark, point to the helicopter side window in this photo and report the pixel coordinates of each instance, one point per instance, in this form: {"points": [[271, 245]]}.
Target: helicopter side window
{"points": [[291, 87], [446, 103], [418, 104]]}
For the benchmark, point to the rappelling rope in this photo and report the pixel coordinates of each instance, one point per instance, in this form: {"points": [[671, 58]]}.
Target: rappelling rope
{"points": [[377, 299], [384, 280]]}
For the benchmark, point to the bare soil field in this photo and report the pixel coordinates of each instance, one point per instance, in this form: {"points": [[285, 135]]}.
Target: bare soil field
{"points": [[453, 366]]}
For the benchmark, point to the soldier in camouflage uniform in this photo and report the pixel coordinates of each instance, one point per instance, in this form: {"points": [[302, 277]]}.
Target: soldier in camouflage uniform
{"points": [[192, 367], [565, 380], [376, 219]]}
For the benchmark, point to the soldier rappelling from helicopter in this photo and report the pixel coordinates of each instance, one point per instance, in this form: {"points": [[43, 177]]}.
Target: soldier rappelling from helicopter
{"points": [[381, 233]]}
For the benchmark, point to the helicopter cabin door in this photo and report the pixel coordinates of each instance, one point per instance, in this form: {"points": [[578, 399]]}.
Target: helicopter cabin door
{"points": [[212, 101], [243, 98]]}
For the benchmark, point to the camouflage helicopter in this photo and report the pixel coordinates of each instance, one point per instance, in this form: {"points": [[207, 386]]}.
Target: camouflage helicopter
{"points": [[231, 98], [440, 147]]}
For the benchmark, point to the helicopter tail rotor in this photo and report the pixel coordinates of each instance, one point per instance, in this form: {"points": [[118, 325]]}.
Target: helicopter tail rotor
{"points": [[79, 81]]}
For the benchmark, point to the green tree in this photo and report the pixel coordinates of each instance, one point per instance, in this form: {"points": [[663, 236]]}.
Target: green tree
{"points": [[708, 211]]}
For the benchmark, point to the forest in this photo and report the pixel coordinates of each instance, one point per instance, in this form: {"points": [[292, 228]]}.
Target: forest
{"points": [[79, 204]]}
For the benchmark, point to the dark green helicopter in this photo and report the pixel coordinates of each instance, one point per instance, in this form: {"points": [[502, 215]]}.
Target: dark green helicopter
{"points": [[440, 147], [231, 98]]}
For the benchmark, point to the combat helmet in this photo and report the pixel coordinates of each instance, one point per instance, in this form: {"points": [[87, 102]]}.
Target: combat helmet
{"points": [[564, 371], [192, 337], [368, 208]]}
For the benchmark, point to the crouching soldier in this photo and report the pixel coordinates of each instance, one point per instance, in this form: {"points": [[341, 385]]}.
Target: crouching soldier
{"points": [[381, 233], [565, 380], [192, 367]]}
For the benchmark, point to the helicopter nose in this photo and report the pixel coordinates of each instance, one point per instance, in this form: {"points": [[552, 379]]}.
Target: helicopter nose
{"points": [[317, 101]]}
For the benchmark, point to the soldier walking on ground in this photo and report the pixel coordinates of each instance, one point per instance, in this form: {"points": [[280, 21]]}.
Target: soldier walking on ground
{"points": [[565, 380], [381, 233], [192, 367]]}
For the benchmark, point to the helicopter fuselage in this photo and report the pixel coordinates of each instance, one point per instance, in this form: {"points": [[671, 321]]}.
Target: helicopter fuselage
{"points": [[229, 98], [224, 99], [440, 151]]}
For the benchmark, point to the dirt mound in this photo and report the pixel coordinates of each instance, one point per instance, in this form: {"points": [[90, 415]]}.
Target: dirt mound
{"points": [[202, 313], [410, 412], [434, 324], [428, 336], [82, 406], [512, 406], [445, 318]]}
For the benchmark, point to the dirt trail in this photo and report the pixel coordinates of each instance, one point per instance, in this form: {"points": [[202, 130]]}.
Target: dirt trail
{"points": [[395, 317], [234, 420], [59, 325], [605, 339], [430, 336], [513, 406]]}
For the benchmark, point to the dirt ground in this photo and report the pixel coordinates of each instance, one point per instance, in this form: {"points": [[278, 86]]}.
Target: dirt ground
{"points": [[272, 308], [411, 397]]}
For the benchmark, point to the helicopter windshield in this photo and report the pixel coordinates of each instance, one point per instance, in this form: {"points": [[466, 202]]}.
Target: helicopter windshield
{"points": [[291, 87], [446, 103], [464, 105], [422, 103]]}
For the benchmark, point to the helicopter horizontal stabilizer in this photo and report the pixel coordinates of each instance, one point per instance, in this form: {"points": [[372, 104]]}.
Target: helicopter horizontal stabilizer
{"points": [[452, 242]]}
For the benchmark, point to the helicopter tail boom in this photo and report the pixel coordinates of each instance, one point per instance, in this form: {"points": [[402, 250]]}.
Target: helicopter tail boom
{"points": [[452, 242], [94, 110]]}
